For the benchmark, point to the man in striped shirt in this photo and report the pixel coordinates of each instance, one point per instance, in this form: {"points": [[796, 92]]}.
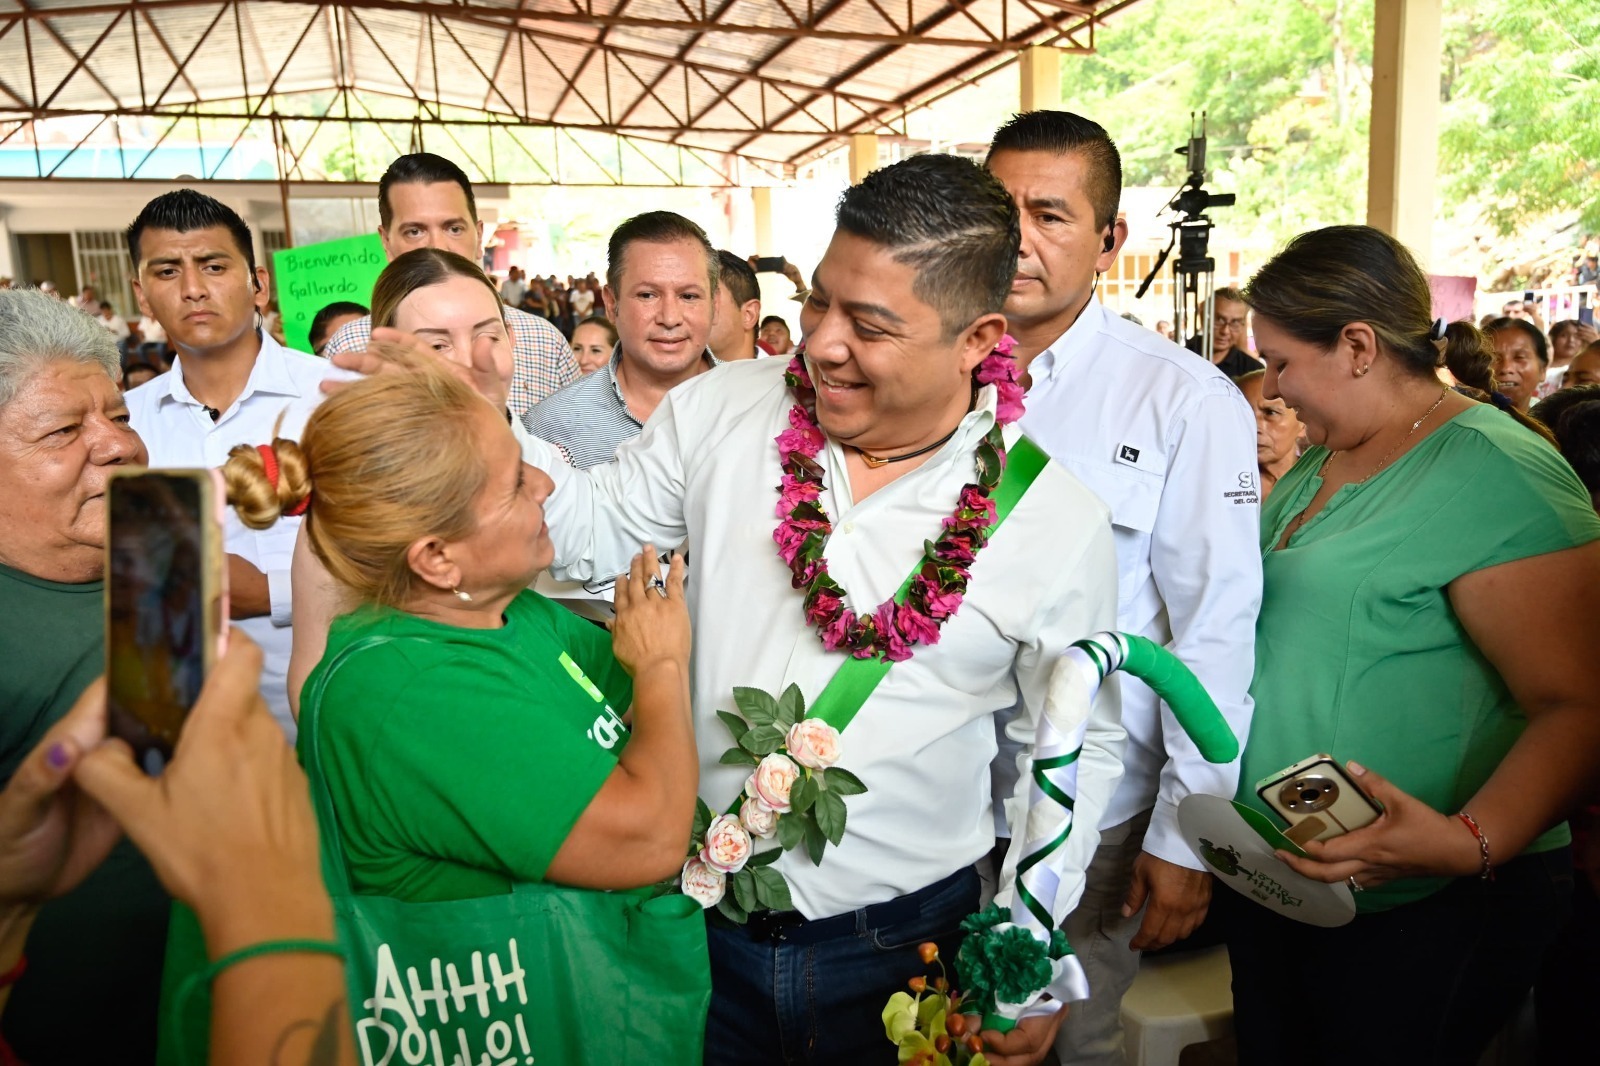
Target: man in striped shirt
{"points": [[426, 201], [660, 291]]}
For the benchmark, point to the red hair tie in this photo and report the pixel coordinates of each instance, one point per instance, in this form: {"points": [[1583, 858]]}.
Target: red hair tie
{"points": [[269, 460]]}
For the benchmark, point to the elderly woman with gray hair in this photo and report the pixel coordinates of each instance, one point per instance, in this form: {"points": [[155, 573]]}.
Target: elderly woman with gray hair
{"points": [[92, 979]]}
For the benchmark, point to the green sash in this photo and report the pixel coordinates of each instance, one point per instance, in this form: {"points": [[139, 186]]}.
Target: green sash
{"points": [[854, 681]]}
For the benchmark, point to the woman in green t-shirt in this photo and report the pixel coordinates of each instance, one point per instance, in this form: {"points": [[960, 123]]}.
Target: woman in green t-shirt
{"points": [[1432, 595], [484, 744]]}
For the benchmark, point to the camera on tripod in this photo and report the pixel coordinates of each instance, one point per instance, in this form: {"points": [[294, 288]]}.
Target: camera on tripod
{"points": [[1194, 271]]}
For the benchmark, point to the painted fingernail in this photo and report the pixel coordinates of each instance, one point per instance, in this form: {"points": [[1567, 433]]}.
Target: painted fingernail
{"points": [[1356, 768], [58, 756]]}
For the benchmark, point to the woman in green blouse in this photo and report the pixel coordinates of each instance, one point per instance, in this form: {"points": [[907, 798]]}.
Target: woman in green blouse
{"points": [[1430, 618]]}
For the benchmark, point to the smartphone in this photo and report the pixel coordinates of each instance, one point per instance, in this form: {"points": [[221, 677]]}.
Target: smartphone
{"points": [[770, 264], [1527, 297], [1318, 800], [164, 597]]}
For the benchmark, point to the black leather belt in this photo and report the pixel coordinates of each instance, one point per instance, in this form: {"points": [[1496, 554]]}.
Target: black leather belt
{"points": [[792, 927]]}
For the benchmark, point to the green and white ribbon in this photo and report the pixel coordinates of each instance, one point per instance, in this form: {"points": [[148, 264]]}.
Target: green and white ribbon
{"points": [[1071, 782]]}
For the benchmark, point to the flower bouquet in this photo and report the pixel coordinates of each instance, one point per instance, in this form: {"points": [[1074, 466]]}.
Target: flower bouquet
{"points": [[933, 1025], [794, 795]]}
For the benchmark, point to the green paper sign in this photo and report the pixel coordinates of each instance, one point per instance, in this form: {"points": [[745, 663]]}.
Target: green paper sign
{"points": [[315, 275]]}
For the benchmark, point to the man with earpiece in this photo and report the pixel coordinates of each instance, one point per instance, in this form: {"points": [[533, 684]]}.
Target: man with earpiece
{"points": [[195, 273], [1168, 442]]}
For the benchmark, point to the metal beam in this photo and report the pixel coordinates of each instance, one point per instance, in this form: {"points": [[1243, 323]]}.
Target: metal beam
{"points": [[489, 120], [809, 29], [937, 88], [67, 48]]}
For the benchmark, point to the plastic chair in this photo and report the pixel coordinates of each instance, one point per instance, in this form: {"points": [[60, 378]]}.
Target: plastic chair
{"points": [[1178, 1001]]}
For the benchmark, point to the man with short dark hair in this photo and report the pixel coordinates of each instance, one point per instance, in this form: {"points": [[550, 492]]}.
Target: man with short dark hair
{"points": [[330, 320], [905, 308], [733, 327], [230, 384], [513, 287], [774, 336], [426, 201], [1230, 330], [1169, 444], [660, 292]]}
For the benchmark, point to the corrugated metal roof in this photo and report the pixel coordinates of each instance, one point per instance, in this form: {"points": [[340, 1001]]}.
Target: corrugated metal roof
{"points": [[781, 81]]}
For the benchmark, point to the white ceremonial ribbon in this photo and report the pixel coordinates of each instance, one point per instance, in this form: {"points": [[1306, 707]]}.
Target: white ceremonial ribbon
{"points": [[1059, 839]]}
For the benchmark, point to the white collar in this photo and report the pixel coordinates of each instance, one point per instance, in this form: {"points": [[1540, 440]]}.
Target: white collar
{"points": [[1064, 348], [270, 375]]}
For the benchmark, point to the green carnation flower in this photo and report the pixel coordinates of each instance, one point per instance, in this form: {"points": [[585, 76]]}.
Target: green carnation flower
{"points": [[1018, 964]]}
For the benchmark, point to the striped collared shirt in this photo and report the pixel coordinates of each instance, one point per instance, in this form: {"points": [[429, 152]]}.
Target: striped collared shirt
{"points": [[589, 419], [543, 360]]}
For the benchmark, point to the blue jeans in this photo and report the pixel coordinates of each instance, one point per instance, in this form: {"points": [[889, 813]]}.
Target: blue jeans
{"points": [[1428, 983], [791, 991]]}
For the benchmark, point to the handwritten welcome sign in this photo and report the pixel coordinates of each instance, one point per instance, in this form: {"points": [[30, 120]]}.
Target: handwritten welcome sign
{"points": [[315, 275]]}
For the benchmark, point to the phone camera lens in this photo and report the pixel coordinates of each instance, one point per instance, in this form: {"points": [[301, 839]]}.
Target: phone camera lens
{"points": [[1309, 793]]}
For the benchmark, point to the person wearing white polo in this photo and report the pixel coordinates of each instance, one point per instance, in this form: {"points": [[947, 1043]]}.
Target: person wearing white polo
{"points": [[230, 384], [1168, 442]]}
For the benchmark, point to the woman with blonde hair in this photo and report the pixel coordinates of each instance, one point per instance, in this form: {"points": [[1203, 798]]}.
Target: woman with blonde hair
{"points": [[1398, 634], [470, 734]]}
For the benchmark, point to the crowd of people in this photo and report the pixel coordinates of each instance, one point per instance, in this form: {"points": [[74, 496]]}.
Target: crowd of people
{"points": [[1353, 524]]}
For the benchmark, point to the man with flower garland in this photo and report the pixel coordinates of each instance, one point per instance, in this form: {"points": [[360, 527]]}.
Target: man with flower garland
{"points": [[1168, 443], [810, 492]]}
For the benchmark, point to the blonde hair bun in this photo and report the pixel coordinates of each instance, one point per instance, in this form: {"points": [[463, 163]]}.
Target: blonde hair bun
{"points": [[250, 491]]}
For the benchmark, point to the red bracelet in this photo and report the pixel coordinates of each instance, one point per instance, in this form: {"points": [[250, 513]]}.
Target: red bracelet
{"points": [[1487, 873], [13, 975]]}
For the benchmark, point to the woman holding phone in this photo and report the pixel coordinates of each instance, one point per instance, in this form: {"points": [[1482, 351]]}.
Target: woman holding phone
{"points": [[1432, 595]]}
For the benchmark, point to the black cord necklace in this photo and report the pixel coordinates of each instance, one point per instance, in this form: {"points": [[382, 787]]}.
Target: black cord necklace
{"points": [[875, 461]]}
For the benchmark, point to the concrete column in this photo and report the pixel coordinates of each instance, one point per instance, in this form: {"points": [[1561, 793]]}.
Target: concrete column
{"points": [[1403, 151], [1041, 79], [761, 200], [863, 156], [7, 269]]}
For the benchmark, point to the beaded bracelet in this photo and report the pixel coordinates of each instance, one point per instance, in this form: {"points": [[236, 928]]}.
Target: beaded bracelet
{"points": [[1487, 872], [203, 978]]}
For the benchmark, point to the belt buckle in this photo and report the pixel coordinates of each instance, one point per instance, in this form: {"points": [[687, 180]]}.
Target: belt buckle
{"points": [[771, 925]]}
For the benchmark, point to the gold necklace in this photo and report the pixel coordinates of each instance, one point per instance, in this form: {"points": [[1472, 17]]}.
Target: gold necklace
{"points": [[1301, 518]]}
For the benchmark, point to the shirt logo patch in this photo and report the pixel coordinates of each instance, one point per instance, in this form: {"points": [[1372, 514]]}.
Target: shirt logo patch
{"points": [[1127, 453], [1246, 492], [608, 727]]}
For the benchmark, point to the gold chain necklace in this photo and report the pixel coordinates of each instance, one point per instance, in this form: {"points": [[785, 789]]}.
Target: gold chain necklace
{"points": [[1301, 518]]}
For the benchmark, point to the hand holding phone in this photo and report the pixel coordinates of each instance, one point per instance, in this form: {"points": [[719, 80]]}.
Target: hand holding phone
{"points": [[773, 264], [164, 593], [1318, 800]]}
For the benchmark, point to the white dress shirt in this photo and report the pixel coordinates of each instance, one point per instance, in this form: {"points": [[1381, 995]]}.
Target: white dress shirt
{"points": [[116, 325], [178, 433], [1168, 442], [706, 467]]}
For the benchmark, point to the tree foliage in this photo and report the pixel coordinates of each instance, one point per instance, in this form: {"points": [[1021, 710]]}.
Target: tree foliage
{"points": [[1286, 85], [1521, 134]]}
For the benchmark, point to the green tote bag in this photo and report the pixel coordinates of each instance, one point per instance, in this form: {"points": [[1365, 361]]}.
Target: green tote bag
{"points": [[546, 974]]}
